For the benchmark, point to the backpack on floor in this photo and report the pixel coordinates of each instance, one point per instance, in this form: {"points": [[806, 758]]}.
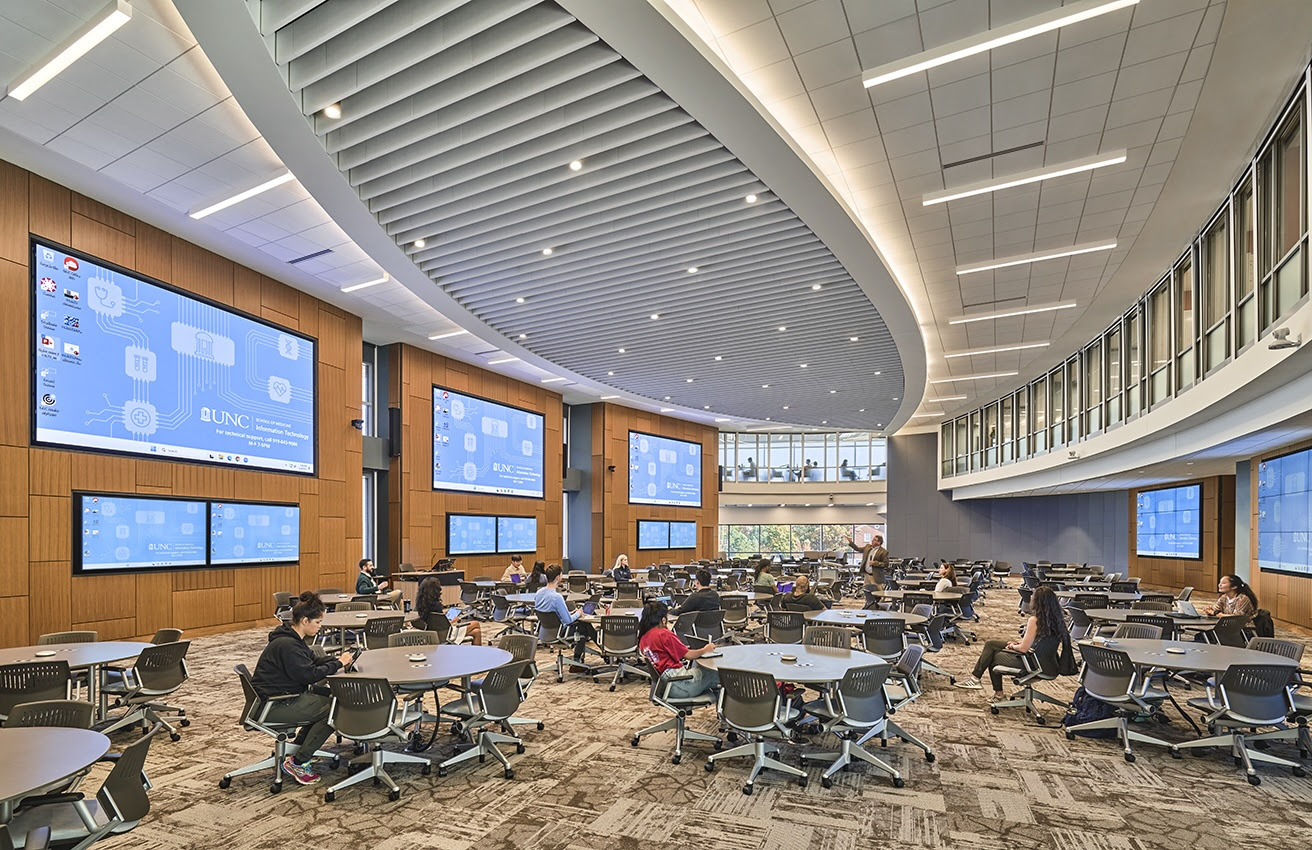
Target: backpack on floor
{"points": [[1086, 709], [1263, 626]]}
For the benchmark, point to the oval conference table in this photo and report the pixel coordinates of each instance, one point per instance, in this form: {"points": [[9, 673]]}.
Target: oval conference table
{"points": [[91, 656], [42, 758], [1122, 615]]}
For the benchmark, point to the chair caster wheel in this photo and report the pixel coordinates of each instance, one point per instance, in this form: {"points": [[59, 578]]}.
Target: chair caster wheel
{"points": [[510, 773], [519, 748], [225, 782], [612, 689], [184, 722], [801, 781], [747, 789], [441, 771], [1298, 771], [329, 796], [718, 744], [898, 782], [1041, 720], [1254, 780], [733, 737], [1238, 761], [560, 679], [426, 769], [676, 758], [482, 758], [275, 788], [952, 680], [710, 767], [929, 757], [377, 782], [633, 742], [174, 736], [1070, 736], [826, 782], [541, 726], [1129, 757], [393, 796], [992, 710], [1175, 753], [457, 728], [335, 763]]}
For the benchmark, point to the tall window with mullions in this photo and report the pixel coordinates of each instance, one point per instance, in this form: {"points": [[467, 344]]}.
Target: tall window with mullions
{"points": [[1282, 223]]}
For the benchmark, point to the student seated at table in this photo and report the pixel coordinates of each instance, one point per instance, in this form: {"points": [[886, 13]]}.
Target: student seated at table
{"points": [[762, 580], [516, 568], [365, 583], [947, 577], [1236, 598], [287, 666], [1045, 631], [431, 611], [704, 598], [621, 571], [800, 598], [665, 651], [549, 599], [537, 577]]}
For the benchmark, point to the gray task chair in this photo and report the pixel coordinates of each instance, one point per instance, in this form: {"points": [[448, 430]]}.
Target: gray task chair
{"points": [[784, 627], [378, 630], [884, 637], [1247, 696], [365, 710], [1137, 631], [254, 717], [33, 681], [619, 643], [681, 708], [856, 709], [1037, 665], [750, 705], [835, 637], [553, 633], [60, 713], [160, 670], [120, 803], [1109, 677], [499, 697]]}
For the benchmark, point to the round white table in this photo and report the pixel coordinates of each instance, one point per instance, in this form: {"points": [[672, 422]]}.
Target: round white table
{"points": [[815, 664], [41, 758]]}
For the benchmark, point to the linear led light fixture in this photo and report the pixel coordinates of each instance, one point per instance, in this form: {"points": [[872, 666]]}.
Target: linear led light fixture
{"points": [[553, 380], [946, 398], [1022, 178], [448, 334], [608, 397], [976, 377], [100, 27], [997, 349], [242, 196], [916, 415], [1071, 13], [1006, 314], [1036, 257], [368, 283], [501, 360]]}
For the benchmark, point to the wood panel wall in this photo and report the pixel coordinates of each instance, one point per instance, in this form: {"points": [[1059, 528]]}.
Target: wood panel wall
{"points": [[1218, 541], [38, 592], [417, 512], [614, 520], [1287, 597]]}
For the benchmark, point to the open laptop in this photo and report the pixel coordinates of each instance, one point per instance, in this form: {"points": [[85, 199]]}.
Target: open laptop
{"points": [[1186, 609], [785, 587], [516, 578], [589, 608]]}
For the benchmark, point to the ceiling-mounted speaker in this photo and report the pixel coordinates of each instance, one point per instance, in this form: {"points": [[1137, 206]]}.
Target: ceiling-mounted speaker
{"points": [[394, 432]]}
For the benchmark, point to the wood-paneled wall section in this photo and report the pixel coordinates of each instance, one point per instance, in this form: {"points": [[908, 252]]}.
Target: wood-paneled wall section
{"points": [[614, 520], [1217, 544], [417, 512], [1287, 597], [38, 592]]}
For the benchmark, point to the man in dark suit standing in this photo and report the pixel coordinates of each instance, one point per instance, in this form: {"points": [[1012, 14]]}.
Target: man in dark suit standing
{"points": [[874, 561]]}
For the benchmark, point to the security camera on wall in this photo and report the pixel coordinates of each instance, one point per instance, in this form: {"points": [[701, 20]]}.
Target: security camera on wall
{"points": [[1280, 340]]}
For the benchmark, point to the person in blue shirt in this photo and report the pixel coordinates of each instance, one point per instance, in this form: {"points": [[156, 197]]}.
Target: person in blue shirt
{"points": [[549, 599]]}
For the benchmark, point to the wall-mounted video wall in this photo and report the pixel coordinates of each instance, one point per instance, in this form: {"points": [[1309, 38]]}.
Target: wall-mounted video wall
{"points": [[483, 446], [660, 534], [126, 364], [664, 471], [1168, 522], [115, 533], [1284, 513], [480, 534]]}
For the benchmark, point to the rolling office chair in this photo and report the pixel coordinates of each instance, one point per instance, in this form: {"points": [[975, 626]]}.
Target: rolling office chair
{"points": [[1109, 677], [499, 697], [1037, 665], [160, 670], [885, 638], [835, 637], [750, 704], [365, 710], [855, 709], [32, 681], [619, 643], [784, 627], [254, 717], [1247, 696], [680, 707], [1136, 631]]}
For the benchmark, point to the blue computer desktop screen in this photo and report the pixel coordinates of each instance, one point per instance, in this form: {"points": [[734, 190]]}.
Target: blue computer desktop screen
{"points": [[467, 534], [1284, 513], [664, 471], [122, 363], [653, 534], [683, 535], [482, 446], [1168, 522], [136, 533], [254, 533], [517, 534]]}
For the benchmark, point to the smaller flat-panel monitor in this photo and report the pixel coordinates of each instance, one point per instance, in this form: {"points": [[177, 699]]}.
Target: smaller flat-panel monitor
{"points": [[468, 534], [133, 533], [653, 534], [683, 535], [1168, 522], [254, 533], [517, 534]]}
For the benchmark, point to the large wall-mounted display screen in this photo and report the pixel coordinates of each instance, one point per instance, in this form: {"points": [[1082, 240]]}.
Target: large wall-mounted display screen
{"points": [[664, 471], [468, 534], [123, 363], [653, 534], [683, 535], [481, 446], [254, 533], [1283, 508], [517, 534], [1168, 522], [122, 533]]}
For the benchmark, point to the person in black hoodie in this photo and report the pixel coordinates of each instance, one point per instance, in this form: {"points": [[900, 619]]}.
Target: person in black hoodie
{"points": [[703, 598], [801, 598], [287, 666]]}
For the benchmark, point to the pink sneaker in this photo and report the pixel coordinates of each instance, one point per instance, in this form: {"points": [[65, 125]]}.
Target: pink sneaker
{"points": [[301, 774]]}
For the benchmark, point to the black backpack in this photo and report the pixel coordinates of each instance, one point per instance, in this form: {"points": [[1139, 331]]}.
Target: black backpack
{"points": [[1086, 709], [1263, 626]]}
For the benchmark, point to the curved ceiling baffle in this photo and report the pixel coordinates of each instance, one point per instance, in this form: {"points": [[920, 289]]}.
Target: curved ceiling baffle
{"points": [[458, 125]]}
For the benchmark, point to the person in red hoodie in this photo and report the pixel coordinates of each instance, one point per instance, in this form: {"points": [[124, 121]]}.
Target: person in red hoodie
{"points": [[665, 651]]}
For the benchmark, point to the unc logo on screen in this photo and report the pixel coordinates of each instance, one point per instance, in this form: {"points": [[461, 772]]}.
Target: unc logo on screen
{"points": [[224, 417]]}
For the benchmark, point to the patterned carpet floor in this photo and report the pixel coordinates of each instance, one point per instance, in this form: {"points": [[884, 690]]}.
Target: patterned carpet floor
{"points": [[998, 782]]}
